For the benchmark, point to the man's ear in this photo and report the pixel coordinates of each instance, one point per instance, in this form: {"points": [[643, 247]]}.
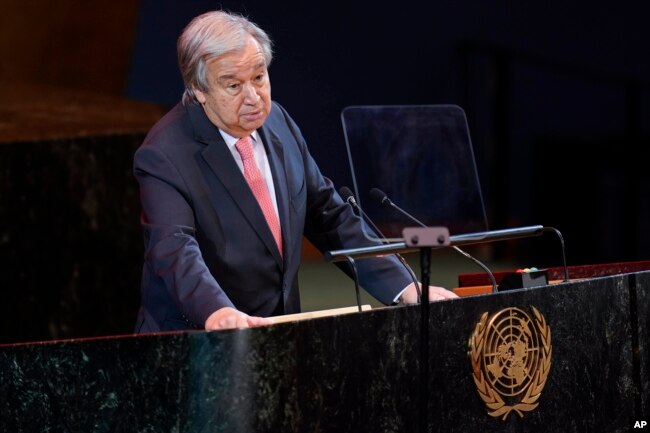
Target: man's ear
{"points": [[200, 96]]}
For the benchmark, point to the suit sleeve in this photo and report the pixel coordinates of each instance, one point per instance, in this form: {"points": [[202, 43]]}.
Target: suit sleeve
{"points": [[171, 249], [331, 224]]}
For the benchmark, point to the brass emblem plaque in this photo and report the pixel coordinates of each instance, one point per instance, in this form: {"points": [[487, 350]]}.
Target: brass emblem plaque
{"points": [[510, 353]]}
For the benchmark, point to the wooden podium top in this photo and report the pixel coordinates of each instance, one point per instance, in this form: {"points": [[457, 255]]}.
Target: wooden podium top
{"points": [[317, 314]]}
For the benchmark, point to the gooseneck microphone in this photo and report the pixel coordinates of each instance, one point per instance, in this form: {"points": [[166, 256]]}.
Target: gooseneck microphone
{"points": [[382, 198], [348, 196]]}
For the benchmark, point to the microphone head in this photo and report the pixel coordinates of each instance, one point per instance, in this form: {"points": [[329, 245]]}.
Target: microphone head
{"points": [[347, 195], [379, 196]]}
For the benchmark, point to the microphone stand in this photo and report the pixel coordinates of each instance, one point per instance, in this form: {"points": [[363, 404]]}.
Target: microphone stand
{"points": [[425, 265], [458, 240], [425, 238], [353, 265], [559, 235]]}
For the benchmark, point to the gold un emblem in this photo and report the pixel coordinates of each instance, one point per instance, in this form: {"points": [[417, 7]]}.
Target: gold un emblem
{"points": [[511, 358]]}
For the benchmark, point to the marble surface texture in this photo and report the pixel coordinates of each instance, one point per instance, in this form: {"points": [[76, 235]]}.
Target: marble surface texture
{"points": [[70, 238], [641, 288], [352, 373]]}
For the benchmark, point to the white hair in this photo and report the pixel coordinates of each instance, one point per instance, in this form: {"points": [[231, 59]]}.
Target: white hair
{"points": [[210, 35]]}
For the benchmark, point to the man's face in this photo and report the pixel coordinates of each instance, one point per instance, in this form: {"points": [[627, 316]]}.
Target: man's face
{"points": [[239, 99]]}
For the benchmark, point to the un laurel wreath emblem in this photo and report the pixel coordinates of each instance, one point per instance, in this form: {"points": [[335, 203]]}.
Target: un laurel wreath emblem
{"points": [[510, 353]]}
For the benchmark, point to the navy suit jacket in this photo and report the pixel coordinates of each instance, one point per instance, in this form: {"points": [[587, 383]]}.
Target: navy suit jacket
{"points": [[207, 244]]}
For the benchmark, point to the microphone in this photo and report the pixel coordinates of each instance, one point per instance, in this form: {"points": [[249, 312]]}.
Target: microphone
{"points": [[382, 198], [348, 196]]}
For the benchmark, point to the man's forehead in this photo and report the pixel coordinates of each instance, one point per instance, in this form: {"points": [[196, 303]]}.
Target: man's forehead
{"points": [[234, 63]]}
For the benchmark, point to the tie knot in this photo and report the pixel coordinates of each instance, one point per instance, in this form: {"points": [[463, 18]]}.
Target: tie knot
{"points": [[245, 147]]}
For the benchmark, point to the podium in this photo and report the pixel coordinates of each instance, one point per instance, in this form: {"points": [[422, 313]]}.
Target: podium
{"points": [[348, 373]]}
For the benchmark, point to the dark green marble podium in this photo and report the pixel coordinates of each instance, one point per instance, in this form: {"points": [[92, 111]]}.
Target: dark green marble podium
{"points": [[349, 373], [70, 238]]}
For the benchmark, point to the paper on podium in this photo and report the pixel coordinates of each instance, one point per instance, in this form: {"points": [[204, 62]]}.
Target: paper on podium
{"points": [[317, 314]]}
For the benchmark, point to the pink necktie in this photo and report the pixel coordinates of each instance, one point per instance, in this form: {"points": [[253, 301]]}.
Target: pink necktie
{"points": [[259, 188]]}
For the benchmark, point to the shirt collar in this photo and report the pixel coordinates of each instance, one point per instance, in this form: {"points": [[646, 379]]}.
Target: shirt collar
{"points": [[231, 141]]}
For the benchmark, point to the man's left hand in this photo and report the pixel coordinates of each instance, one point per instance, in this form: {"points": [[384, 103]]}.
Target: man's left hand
{"points": [[410, 295]]}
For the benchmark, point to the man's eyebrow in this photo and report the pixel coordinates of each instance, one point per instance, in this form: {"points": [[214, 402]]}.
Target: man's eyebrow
{"points": [[224, 77]]}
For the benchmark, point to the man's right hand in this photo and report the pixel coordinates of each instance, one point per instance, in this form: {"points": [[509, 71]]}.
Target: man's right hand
{"points": [[229, 318]]}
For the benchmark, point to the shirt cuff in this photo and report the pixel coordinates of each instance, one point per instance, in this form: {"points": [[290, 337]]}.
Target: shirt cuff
{"points": [[396, 298]]}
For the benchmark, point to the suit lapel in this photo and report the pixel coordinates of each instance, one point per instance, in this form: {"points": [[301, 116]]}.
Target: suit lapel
{"points": [[218, 157], [275, 155]]}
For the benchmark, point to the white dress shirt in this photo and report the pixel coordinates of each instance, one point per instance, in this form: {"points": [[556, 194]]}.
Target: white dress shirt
{"points": [[260, 159]]}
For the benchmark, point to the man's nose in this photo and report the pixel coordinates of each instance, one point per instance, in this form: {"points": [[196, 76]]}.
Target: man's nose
{"points": [[250, 93]]}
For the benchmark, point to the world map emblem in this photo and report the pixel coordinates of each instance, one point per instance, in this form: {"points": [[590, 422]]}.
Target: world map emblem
{"points": [[510, 353]]}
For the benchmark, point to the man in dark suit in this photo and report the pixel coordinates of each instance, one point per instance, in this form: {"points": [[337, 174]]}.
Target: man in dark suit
{"points": [[228, 189]]}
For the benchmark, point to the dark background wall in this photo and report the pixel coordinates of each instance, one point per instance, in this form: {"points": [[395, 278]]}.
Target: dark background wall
{"points": [[556, 94]]}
